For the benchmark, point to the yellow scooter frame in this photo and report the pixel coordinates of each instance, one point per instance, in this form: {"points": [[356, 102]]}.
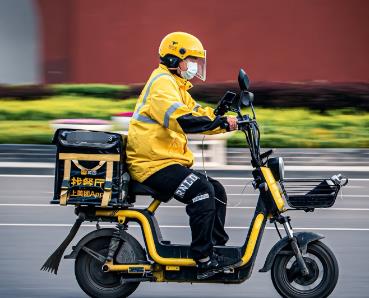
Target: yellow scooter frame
{"points": [[270, 202]]}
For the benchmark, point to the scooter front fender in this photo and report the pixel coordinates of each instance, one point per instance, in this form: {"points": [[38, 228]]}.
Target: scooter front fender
{"points": [[303, 239], [106, 232]]}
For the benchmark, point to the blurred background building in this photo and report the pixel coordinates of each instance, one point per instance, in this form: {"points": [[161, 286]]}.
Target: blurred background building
{"points": [[116, 41]]}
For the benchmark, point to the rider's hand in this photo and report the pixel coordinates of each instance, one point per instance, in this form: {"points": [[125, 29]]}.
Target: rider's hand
{"points": [[232, 123]]}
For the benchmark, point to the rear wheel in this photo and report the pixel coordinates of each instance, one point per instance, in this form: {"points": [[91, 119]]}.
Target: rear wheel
{"points": [[99, 284], [322, 278]]}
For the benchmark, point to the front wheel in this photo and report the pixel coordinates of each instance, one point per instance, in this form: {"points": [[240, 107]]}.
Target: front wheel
{"points": [[322, 278]]}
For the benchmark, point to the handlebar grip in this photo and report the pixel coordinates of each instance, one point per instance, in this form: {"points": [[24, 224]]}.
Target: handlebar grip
{"points": [[224, 124], [241, 125], [339, 179]]}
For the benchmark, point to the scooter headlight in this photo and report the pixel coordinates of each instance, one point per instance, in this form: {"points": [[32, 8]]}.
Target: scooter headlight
{"points": [[276, 166]]}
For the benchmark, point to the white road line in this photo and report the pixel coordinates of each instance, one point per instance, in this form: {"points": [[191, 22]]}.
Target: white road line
{"points": [[255, 196], [52, 176], [29, 153], [342, 209], [289, 159], [354, 196], [247, 178], [27, 165], [26, 176], [177, 206], [300, 168], [174, 227], [251, 207], [47, 165], [250, 186], [30, 205], [136, 206], [220, 178]]}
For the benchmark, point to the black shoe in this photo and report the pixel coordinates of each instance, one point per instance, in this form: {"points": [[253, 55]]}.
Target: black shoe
{"points": [[215, 265]]}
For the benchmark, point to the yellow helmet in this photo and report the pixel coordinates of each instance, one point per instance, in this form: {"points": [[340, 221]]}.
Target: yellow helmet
{"points": [[178, 46], [181, 45]]}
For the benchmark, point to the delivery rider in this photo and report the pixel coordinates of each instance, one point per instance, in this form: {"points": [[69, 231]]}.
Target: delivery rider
{"points": [[157, 151]]}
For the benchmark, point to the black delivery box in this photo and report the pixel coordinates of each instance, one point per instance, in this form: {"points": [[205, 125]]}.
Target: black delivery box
{"points": [[89, 168]]}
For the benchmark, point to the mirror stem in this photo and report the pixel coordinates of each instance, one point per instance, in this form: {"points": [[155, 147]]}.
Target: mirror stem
{"points": [[239, 114], [253, 111]]}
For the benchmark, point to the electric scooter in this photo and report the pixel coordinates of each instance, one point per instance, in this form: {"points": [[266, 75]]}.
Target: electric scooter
{"points": [[110, 262]]}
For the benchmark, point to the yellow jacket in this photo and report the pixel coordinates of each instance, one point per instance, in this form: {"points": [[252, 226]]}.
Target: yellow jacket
{"points": [[164, 113]]}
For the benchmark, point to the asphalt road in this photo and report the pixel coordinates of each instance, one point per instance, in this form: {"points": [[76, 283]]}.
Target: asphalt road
{"points": [[30, 229]]}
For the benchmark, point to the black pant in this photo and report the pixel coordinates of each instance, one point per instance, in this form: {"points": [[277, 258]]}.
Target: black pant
{"points": [[206, 202]]}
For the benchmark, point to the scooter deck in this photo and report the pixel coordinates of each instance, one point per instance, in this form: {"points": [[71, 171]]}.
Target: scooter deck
{"points": [[167, 250]]}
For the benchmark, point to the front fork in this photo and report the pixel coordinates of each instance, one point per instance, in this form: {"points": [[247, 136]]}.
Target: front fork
{"points": [[286, 222]]}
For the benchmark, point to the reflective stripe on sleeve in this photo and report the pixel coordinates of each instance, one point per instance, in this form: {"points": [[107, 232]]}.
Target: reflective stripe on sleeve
{"points": [[170, 111], [136, 114], [196, 108], [143, 118]]}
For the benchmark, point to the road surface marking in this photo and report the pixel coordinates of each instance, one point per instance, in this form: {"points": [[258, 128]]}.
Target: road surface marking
{"points": [[173, 227], [45, 195], [27, 176], [27, 165], [220, 178], [175, 206], [300, 168]]}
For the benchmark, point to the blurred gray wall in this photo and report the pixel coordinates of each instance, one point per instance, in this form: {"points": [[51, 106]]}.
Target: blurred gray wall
{"points": [[19, 42]]}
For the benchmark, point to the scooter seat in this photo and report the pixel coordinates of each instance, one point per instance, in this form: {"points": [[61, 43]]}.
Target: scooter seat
{"points": [[137, 188]]}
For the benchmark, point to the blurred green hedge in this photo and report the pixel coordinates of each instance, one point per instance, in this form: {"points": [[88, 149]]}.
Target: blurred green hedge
{"points": [[28, 122], [296, 127], [41, 91], [89, 90], [335, 118], [63, 107], [320, 96]]}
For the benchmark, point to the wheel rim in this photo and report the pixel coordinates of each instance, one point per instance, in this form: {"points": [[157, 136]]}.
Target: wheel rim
{"points": [[97, 277], [298, 283]]}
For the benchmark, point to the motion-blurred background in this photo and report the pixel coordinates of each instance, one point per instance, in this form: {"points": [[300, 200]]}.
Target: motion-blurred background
{"points": [[77, 59], [83, 63]]}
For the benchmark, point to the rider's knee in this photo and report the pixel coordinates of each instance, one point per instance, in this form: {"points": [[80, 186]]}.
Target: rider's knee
{"points": [[219, 190], [201, 205], [204, 186], [204, 192], [202, 198]]}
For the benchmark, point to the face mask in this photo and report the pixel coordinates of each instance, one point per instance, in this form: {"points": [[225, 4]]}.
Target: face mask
{"points": [[190, 72]]}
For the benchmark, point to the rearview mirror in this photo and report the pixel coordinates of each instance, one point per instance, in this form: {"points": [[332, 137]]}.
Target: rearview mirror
{"points": [[225, 103], [243, 80], [246, 98]]}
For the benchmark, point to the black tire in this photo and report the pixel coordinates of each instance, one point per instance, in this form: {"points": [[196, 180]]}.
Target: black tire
{"points": [[98, 284], [321, 281]]}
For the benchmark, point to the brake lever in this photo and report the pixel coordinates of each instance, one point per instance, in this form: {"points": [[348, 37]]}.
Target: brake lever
{"points": [[243, 122], [244, 118]]}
